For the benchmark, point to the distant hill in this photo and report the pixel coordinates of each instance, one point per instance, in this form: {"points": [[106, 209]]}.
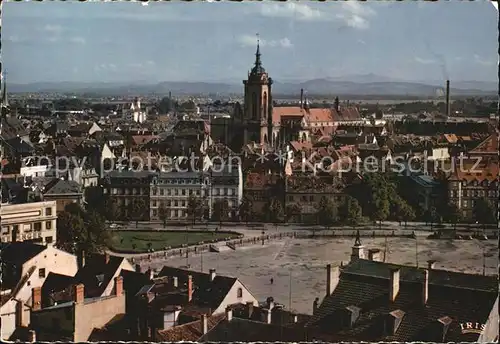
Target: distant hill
{"points": [[369, 84]]}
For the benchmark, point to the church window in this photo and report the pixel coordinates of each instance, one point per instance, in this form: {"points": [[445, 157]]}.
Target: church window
{"points": [[265, 105], [254, 105]]}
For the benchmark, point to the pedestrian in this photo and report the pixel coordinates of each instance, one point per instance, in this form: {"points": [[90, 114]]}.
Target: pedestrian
{"points": [[272, 280]]}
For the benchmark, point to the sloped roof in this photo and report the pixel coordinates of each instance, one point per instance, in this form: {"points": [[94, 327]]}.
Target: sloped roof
{"points": [[489, 145], [243, 330], [63, 187], [365, 284], [206, 293], [192, 331], [18, 253]]}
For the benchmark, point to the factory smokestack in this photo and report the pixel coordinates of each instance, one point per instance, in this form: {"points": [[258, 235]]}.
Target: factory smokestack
{"points": [[448, 107], [301, 98]]}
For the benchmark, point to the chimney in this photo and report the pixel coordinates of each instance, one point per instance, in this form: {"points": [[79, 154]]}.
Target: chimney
{"points": [[250, 309], [351, 315], [336, 104], [425, 287], [266, 315], [315, 305], [106, 258], [119, 285], [392, 322], [81, 259], [204, 324], [445, 325], [430, 264], [138, 268], [301, 98], [332, 278], [295, 318], [270, 303], [175, 281], [31, 336], [374, 254], [229, 314], [79, 293], [448, 98], [36, 297], [190, 288], [212, 275], [393, 284], [20, 319]]}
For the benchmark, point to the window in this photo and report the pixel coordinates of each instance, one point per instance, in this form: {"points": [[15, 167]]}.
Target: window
{"points": [[48, 211], [5, 229], [154, 203], [239, 294], [48, 225], [162, 192], [154, 212], [155, 192], [311, 198], [48, 240], [183, 192], [37, 226], [41, 273], [290, 198]]}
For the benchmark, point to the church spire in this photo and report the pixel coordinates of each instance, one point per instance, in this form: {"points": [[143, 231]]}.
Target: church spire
{"points": [[258, 69], [258, 63]]}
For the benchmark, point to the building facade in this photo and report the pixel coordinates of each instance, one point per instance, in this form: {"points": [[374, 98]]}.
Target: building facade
{"points": [[34, 222]]}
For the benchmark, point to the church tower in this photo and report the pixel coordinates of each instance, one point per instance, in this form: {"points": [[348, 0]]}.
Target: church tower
{"points": [[358, 250], [257, 115]]}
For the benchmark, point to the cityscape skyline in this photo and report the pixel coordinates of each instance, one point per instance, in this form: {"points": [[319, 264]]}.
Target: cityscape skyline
{"points": [[393, 40]]}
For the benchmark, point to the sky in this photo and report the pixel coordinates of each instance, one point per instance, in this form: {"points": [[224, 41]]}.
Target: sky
{"points": [[206, 41]]}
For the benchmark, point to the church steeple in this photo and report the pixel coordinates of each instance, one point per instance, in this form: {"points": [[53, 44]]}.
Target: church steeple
{"points": [[258, 69]]}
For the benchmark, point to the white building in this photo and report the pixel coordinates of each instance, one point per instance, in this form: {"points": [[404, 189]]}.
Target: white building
{"points": [[35, 221], [26, 266], [138, 115]]}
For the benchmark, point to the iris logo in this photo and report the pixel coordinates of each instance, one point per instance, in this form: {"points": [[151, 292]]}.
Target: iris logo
{"points": [[470, 327]]}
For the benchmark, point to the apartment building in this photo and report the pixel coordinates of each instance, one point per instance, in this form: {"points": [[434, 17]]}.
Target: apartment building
{"points": [[226, 184], [172, 191], [125, 187], [35, 222]]}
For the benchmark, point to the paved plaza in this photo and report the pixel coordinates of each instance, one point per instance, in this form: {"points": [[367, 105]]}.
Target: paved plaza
{"points": [[297, 266]]}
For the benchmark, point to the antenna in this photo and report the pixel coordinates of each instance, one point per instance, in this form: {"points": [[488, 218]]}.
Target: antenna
{"points": [[416, 250], [386, 250], [484, 261]]}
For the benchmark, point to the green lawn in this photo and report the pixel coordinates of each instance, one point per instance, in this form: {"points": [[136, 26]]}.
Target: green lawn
{"points": [[137, 241]]}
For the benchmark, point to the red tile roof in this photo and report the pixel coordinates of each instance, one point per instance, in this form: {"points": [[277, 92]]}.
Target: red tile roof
{"points": [[188, 332], [490, 145], [317, 114]]}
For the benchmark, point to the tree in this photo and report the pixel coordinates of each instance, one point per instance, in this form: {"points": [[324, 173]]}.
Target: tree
{"points": [[163, 214], [274, 211], [81, 231], [327, 212], [291, 210], [137, 210], [405, 213], [350, 211], [194, 208], [484, 212], [220, 211], [70, 232], [112, 209], [245, 209], [380, 210], [432, 216], [453, 215]]}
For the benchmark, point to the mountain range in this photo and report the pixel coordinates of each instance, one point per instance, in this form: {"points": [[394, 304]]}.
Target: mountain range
{"points": [[359, 85]]}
